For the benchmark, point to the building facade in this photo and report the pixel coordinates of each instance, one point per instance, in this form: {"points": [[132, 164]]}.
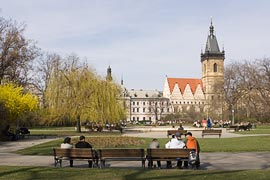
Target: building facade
{"points": [[146, 106], [205, 94]]}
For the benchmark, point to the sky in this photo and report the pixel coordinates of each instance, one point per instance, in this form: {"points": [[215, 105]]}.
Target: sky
{"points": [[143, 41]]}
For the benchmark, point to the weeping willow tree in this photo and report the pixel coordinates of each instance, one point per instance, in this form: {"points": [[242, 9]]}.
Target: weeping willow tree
{"points": [[75, 92]]}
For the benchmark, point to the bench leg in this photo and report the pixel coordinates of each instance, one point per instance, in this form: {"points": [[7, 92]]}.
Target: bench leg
{"points": [[102, 163], [57, 161]]}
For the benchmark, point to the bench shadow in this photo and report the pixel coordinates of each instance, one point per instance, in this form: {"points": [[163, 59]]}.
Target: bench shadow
{"points": [[16, 171], [138, 175]]}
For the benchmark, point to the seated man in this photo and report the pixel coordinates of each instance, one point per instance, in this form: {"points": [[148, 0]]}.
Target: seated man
{"points": [[153, 145], [175, 143], [83, 144]]}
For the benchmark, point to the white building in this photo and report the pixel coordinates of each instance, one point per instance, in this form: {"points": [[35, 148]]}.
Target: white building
{"points": [[147, 106]]}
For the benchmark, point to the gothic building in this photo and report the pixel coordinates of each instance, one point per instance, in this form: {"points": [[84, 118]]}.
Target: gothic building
{"points": [[203, 95]]}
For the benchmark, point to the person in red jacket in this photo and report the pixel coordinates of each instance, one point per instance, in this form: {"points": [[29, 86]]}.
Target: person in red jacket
{"points": [[192, 143]]}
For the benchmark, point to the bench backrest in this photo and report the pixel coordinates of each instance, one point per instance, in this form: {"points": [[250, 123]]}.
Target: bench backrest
{"points": [[212, 131], [105, 153], [168, 153], [73, 152], [181, 132]]}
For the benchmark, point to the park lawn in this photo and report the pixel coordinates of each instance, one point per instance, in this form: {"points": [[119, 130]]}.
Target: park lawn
{"points": [[261, 129], [239, 144], [25, 173]]}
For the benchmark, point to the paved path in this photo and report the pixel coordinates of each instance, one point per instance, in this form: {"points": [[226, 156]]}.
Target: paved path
{"points": [[209, 161]]}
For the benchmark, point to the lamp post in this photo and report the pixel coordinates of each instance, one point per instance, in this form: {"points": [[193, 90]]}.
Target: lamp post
{"points": [[232, 116]]}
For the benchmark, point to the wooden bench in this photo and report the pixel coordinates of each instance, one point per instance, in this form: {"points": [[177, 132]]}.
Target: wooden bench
{"points": [[121, 155], [167, 155], [211, 132], [181, 132], [80, 154]]}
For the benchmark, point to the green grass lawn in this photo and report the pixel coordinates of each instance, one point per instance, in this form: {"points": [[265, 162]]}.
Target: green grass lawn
{"points": [[261, 129], [239, 144], [25, 173]]}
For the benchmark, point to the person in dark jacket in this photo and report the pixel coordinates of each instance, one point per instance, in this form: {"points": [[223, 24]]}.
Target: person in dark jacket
{"points": [[83, 144]]}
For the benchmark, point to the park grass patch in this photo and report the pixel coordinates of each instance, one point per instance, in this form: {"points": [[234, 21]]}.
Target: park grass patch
{"points": [[239, 144], [24, 173]]}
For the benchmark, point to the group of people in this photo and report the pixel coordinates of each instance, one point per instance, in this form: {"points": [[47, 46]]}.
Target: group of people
{"points": [[177, 143], [80, 144]]}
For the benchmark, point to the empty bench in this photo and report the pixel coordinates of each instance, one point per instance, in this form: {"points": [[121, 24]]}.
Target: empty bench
{"points": [[171, 132], [211, 132], [80, 154], [121, 155], [167, 155]]}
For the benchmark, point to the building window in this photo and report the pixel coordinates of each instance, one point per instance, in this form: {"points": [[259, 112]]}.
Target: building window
{"points": [[133, 103], [143, 109], [150, 118], [162, 103], [138, 119], [133, 118], [149, 109], [212, 97], [168, 110], [144, 103], [138, 103], [215, 67], [138, 109], [133, 109], [143, 118]]}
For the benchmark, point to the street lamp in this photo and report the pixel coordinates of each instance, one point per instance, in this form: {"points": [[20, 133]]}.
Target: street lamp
{"points": [[232, 116]]}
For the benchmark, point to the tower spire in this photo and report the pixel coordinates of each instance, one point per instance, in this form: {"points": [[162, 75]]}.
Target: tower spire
{"points": [[211, 28], [109, 74]]}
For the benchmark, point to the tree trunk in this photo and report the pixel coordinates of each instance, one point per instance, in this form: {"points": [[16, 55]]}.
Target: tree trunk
{"points": [[79, 124]]}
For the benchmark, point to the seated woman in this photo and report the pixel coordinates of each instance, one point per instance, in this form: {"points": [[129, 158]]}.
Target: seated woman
{"points": [[67, 145]]}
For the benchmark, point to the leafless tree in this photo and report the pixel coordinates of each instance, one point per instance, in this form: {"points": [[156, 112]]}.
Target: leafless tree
{"points": [[16, 52]]}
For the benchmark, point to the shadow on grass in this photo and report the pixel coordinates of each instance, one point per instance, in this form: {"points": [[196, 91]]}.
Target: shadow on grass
{"points": [[182, 174], [9, 172]]}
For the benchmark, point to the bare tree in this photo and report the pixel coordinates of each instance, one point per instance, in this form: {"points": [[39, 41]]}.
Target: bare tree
{"points": [[16, 52]]}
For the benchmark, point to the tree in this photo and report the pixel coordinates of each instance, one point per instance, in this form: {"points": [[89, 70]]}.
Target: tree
{"points": [[246, 89], [16, 52], [15, 103], [76, 92]]}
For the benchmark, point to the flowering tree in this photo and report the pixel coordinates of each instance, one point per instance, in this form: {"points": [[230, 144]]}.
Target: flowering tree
{"points": [[15, 103]]}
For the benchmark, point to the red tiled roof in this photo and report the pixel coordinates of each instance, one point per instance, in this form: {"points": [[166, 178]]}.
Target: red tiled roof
{"points": [[182, 83]]}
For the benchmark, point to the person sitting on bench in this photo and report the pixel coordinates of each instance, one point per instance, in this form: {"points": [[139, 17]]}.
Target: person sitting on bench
{"points": [[83, 144]]}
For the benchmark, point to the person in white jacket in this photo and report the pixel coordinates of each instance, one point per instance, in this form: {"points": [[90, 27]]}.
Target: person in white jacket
{"points": [[175, 143]]}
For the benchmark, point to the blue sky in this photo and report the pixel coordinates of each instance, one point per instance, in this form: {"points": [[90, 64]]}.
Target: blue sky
{"points": [[144, 40]]}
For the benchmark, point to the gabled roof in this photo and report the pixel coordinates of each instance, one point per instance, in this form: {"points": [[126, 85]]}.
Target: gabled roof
{"points": [[182, 83]]}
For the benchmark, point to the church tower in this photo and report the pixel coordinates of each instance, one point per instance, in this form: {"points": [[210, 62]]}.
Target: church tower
{"points": [[109, 74], [213, 73]]}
